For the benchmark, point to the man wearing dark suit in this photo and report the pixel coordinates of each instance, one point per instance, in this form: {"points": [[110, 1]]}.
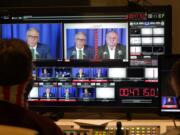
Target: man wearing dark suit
{"points": [[80, 73], [48, 94], [80, 51], [112, 50], [39, 51]]}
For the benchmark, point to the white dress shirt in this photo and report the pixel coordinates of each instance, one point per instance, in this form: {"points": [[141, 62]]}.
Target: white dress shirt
{"points": [[112, 53], [77, 52]]}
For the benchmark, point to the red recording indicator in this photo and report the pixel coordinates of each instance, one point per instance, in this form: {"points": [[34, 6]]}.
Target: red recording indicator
{"points": [[137, 16], [136, 92]]}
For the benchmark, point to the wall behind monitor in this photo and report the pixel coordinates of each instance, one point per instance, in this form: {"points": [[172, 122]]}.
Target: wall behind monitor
{"points": [[175, 16]]}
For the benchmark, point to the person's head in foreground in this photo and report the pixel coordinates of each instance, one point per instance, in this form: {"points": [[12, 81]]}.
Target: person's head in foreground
{"points": [[15, 69]]}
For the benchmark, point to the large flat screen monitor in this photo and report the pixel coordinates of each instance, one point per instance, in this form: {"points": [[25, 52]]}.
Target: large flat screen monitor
{"points": [[93, 56]]}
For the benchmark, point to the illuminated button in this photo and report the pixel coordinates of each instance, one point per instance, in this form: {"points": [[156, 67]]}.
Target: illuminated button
{"points": [[137, 128], [143, 131], [143, 128], [153, 128], [132, 128], [148, 131], [137, 132]]}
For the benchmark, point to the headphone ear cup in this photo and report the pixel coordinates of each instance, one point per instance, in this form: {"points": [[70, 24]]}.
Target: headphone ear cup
{"points": [[28, 88]]}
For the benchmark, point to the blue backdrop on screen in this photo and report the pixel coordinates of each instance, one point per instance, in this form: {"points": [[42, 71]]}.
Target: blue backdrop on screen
{"points": [[103, 72], [90, 36], [86, 72], [42, 90], [50, 35], [72, 92]]}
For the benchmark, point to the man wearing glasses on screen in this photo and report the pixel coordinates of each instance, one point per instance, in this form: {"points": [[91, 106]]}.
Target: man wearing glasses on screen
{"points": [[38, 50], [112, 50], [81, 51]]}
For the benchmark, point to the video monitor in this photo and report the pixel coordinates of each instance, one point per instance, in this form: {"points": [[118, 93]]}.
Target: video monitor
{"points": [[45, 73], [63, 73], [96, 41], [48, 91], [86, 94], [117, 73], [151, 73], [43, 39], [99, 73], [67, 93], [34, 93], [88, 45], [169, 69], [105, 93], [81, 73]]}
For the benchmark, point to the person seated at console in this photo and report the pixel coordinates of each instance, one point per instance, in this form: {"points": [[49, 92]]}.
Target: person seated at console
{"points": [[80, 51], [112, 49], [48, 94], [15, 84], [175, 84]]}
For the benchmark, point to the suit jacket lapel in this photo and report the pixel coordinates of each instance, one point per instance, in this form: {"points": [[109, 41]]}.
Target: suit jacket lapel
{"points": [[107, 50]]}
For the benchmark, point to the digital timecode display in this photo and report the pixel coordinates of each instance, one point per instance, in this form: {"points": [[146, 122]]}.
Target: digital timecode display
{"points": [[138, 92]]}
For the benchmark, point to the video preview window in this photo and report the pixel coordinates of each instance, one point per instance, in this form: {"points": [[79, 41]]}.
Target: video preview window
{"points": [[117, 73], [67, 93], [86, 94], [105, 93], [45, 73], [96, 41], [99, 73], [81, 73], [62, 73], [43, 39], [48, 90]]}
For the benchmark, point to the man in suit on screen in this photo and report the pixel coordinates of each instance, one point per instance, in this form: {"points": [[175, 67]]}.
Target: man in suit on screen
{"points": [[80, 51], [112, 50], [48, 94], [38, 50]]}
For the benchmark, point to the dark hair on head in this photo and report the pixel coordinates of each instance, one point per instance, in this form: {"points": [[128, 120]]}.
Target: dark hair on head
{"points": [[15, 62], [175, 72]]}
